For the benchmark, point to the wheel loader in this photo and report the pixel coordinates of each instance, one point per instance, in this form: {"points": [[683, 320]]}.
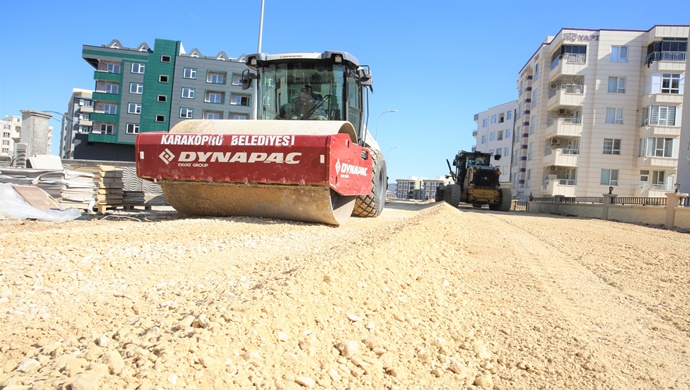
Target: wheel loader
{"points": [[475, 181], [307, 156]]}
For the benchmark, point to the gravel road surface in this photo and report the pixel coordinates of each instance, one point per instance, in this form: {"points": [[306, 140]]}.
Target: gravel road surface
{"points": [[424, 297]]}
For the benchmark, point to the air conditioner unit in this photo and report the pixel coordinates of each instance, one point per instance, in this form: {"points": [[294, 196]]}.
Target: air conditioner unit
{"points": [[554, 85], [553, 168], [563, 111], [555, 141]]}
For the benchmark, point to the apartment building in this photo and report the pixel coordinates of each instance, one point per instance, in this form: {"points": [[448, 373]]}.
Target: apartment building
{"points": [[494, 134], [11, 127], [76, 120], [152, 89], [418, 188], [599, 109], [406, 188]]}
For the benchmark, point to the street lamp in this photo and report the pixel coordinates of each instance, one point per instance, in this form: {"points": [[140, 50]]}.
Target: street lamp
{"points": [[377, 122]]}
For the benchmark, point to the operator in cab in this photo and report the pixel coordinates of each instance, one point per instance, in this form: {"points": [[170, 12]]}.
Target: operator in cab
{"points": [[307, 105]]}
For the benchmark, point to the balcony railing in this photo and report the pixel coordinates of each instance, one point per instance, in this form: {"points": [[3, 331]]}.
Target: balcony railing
{"points": [[570, 58], [671, 56], [575, 89]]}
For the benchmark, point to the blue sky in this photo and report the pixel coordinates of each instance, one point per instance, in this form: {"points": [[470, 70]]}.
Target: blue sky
{"points": [[437, 63]]}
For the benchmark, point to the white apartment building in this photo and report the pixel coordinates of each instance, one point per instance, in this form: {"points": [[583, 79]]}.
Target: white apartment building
{"points": [[494, 134], [11, 127], [77, 120], [600, 108]]}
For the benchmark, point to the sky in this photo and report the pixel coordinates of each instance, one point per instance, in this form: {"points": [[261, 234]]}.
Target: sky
{"points": [[437, 63]]}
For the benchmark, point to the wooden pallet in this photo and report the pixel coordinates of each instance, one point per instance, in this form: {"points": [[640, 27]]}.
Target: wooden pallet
{"points": [[102, 208]]}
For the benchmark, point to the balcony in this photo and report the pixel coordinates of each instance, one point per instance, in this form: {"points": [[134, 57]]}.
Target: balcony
{"points": [[106, 76], [644, 189], [86, 109], [563, 127], [660, 131], [106, 97], [665, 61], [103, 117], [568, 64], [555, 186], [474, 133], [561, 157], [86, 123], [657, 162], [566, 95], [662, 98]]}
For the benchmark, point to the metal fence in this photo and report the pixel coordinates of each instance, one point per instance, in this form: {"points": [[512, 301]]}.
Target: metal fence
{"points": [[621, 200], [644, 201]]}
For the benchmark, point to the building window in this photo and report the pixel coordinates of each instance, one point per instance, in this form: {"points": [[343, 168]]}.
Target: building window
{"points": [[112, 89], [213, 115], [507, 133], [106, 128], [162, 78], [493, 119], [670, 83], [492, 136], [239, 116], [113, 68], [614, 115], [656, 147], [161, 98], [619, 54], [138, 68], [532, 125], [215, 78], [499, 135], [659, 116], [189, 73], [530, 151], [165, 58], [609, 177], [134, 108], [535, 97], [214, 97], [509, 115], [483, 139], [132, 128], [506, 152], [658, 179], [188, 93], [485, 122], [536, 72], [236, 79], [160, 118], [110, 108], [612, 146], [137, 88], [186, 112], [240, 100], [617, 84]]}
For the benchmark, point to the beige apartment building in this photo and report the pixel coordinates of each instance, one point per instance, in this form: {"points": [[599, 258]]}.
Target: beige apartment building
{"points": [[599, 109], [11, 127], [494, 134]]}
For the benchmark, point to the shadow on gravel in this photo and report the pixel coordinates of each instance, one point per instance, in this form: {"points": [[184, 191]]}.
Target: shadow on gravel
{"points": [[409, 205]]}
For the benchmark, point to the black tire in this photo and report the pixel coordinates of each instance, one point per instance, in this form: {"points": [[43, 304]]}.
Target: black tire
{"points": [[477, 205], [438, 197], [506, 199], [453, 194], [372, 205]]}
